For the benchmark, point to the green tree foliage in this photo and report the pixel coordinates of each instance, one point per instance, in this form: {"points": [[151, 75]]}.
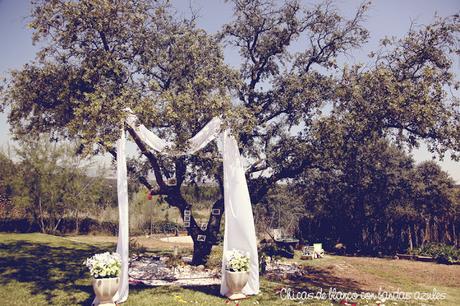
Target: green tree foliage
{"points": [[8, 170], [51, 183], [374, 199], [98, 57], [435, 193]]}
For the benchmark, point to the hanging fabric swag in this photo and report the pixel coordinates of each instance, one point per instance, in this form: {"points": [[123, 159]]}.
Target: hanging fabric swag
{"points": [[239, 222]]}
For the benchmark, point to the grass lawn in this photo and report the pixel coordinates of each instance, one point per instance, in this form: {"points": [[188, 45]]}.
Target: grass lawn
{"points": [[37, 269]]}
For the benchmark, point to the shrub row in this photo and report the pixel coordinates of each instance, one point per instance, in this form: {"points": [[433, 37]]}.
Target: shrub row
{"points": [[443, 253], [87, 226], [66, 226]]}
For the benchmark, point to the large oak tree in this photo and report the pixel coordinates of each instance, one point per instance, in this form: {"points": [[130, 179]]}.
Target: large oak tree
{"points": [[99, 57]]}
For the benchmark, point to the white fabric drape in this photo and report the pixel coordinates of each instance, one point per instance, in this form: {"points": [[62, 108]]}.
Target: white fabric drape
{"points": [[239, 221], [123, 225], [123, 221], [207, 134], [239, 232]]}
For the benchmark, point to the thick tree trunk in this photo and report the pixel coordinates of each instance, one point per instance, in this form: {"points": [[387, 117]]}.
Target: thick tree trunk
{"points": [[201, 252], [203, 238], [202, 249]]}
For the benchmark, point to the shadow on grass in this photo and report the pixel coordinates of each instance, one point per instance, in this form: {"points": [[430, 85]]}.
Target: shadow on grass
{"points": [[56, 272], [313, 278], [213, 290], [325, 278]]}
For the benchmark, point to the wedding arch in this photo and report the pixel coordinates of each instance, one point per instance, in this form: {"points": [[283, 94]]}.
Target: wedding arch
{"points": [[239, 221]]}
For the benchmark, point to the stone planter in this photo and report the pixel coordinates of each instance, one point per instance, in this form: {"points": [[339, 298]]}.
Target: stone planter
{"points": [[105, 289], [425, 258], [236, 282], [404, 256]]}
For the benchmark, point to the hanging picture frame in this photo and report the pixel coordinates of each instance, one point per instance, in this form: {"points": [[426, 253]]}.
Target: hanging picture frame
{"points": [[201, 237], [187, 218], [204, 226], [187, 224], [215, 212]]}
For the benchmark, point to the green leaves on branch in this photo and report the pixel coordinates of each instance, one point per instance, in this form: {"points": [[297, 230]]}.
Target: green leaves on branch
{"points": [[99, 57]]}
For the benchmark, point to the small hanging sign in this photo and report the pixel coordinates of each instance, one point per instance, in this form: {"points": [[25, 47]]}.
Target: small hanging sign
{"points": [[187, 224], [187, 218], [215, 212], [201, 237]]}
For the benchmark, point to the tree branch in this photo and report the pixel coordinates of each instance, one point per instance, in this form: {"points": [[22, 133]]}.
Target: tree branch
{"points": [[151, 158], [142, 179]]}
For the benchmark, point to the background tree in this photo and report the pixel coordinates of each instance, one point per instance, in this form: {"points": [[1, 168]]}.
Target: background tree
{"points": [[370, 197], [7, 174], [51, 183], [99, 57], [435, 202]]}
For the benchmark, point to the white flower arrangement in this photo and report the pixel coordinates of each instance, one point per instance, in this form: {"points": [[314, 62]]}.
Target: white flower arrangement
{"points": [[104, 265], [237, 261]]}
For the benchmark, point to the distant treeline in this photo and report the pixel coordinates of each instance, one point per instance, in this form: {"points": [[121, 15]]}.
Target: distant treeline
{"points": [[65, 226], [376, 199], [47, 189], [85, 226], [382, 204]]}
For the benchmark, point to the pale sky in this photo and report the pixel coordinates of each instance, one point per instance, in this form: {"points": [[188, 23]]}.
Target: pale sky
{"points": [[385, 18]]}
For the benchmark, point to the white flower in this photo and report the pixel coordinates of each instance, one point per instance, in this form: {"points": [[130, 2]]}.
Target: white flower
{"points": [[104, 265], [237, 261]]}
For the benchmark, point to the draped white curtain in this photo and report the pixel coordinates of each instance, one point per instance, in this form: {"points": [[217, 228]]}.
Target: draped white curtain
{"points": [[239, 232], [239, 222], [123, 221], [197, 142]]}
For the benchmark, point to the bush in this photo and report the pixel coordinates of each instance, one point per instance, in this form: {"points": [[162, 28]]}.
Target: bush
{"points": [[66, 226], [161, 227], [215, 258], [270, 249], [22, 225], [443, 253]]}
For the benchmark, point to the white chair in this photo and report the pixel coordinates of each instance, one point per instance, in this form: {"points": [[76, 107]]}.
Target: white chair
{"points": [[318, 250], [277, 234]]}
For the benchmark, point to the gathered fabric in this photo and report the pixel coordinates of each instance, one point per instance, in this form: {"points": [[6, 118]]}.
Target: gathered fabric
{"points": [[239, 221], [123, 223]]}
